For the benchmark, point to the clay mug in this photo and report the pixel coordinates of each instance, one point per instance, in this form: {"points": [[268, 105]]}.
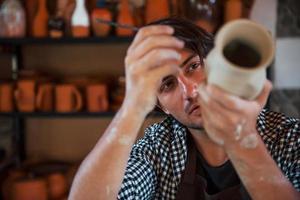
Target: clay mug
{"points": [[45, 97], [25, 95], [6, 97], [29, 189], [237, 63], [68, 98], [97, 100], [57, 185]]}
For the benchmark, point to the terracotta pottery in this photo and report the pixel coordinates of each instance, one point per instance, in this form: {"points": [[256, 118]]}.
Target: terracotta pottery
{"points": [[101, 29], [45, 97], [29, 189], [25, 95], [80, 20], [57, 185], [97, 100], [31, 8], [233, 10], [157, 9], [6, 97], [68, 98], [40, 22], [125, 17]]}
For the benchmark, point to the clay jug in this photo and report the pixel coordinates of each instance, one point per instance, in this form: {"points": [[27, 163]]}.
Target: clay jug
{"points": [[6, 97], [124, 17], [45, 97], [100, 12], [68, 98], [25, 95], [97, 100], [157, 9], [40, 22], [80, 20]]}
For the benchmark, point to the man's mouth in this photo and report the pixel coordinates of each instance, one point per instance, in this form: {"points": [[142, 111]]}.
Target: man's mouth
{"points": [[193, 109]]}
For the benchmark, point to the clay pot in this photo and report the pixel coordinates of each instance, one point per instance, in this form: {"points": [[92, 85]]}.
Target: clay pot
{"points": [[6, 97], [101, 29], [157, 9], [68, 98], [25, 95], [97, 100], [125, 17], [40, 22]]}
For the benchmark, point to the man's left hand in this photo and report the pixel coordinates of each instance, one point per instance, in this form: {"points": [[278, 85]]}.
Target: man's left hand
{"points": [[229, 119]]}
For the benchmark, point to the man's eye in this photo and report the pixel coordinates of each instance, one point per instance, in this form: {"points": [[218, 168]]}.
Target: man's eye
{"points": [[193, 66], [167, 86]]}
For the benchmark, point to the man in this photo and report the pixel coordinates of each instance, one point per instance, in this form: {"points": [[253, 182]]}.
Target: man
{"points": [[212, 145]]}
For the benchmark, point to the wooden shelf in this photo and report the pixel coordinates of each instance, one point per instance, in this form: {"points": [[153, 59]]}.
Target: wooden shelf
{"points": [[65, 40], [68, 114]]}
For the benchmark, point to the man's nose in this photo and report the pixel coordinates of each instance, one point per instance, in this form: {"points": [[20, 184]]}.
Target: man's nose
{"points": [[188, 87]]}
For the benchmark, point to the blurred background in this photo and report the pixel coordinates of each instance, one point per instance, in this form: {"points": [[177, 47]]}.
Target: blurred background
{"points": [[62, 77]]}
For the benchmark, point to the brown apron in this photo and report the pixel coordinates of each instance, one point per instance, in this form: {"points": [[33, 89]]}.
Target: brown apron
{"points": [[193, 186]]}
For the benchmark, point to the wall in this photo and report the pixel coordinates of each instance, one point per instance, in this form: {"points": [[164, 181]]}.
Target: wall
{"points": [[283, 20]]}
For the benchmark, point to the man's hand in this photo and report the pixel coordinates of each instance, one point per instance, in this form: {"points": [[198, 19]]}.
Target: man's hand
{"points": [[152, 55], [231, 122], [228, 119]]}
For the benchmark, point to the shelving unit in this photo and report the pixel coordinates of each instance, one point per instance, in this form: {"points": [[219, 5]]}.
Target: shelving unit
{"points": [[15, 50]]}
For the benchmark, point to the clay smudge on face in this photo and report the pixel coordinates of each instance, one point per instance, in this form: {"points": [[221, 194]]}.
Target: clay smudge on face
{"points": [[249, 141]]}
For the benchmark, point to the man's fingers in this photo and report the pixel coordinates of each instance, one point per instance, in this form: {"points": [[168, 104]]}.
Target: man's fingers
{"points": [[148, 31], [156, 41], [263, 97], [225, 99], [159, 57]]}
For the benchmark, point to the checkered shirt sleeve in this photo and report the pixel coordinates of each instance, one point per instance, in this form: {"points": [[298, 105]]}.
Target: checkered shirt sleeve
{"points": [[140, 178], [281, 135]]}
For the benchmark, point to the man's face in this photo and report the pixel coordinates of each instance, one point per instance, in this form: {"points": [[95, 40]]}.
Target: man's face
{"points": [[178, 94]]}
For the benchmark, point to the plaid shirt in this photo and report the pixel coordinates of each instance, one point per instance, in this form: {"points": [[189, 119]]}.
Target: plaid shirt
{"points": [[157, 161]]}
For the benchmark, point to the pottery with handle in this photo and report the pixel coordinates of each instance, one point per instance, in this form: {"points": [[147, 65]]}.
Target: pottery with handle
{"points": [[68, 98]]}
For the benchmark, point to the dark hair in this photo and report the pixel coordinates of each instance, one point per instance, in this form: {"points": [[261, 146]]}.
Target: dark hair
{"points": [[195, 38]]}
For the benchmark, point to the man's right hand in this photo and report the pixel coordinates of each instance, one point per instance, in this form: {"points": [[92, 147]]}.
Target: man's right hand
{"points": [[152, 55]]}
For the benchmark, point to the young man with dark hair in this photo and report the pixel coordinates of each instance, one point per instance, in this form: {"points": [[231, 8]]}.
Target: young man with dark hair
{"points": [[212, 145]]}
